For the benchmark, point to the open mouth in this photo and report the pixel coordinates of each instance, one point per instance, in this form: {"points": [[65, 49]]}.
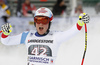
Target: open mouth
{"points": [[41, 28]]}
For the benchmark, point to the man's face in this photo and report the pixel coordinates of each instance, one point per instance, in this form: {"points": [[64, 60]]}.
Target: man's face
{"points": [[62, 3], [27, 1], [42, 24], [42, 28]]}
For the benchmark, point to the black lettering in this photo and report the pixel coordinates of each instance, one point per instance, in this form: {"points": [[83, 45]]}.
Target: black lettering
{"points": [[40, 41]]}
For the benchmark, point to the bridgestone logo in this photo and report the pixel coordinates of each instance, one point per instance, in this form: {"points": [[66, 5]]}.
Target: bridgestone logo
{"points": [[40, 41]]}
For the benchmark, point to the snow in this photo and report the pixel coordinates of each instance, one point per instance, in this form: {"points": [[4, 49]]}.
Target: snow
{"points": [[70, 52]]}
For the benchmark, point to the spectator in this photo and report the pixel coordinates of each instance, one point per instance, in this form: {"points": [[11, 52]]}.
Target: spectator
{"points": [[59, 7], [4, 11], [19, 7], [97, 8], [28, 9], [78, 10]]}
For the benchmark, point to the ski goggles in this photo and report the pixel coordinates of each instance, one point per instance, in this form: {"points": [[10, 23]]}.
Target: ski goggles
{"points": [[41, 19]]}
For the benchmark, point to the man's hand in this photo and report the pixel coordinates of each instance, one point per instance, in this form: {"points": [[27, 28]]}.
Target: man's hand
{"points": [[6, 29], [83, 18]]}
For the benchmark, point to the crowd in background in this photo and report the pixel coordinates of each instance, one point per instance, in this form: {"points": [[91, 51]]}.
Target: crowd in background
{"points": [[27, 9]]}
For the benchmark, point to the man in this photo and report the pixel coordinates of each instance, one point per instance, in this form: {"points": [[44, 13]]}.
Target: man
{"points": [[4, 11], [59, 8], [28, 9], [19, 7], [42, 45]]}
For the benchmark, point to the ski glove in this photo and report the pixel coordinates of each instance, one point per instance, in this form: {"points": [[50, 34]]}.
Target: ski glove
{"points": [[6, 29], [83, 18]]}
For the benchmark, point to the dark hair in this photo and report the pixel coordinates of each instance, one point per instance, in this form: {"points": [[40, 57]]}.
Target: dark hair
{"points": [[58, 2]]}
